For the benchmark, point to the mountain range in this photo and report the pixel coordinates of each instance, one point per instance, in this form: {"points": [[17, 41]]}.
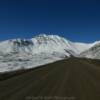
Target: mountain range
{"points": [[18, 54]]}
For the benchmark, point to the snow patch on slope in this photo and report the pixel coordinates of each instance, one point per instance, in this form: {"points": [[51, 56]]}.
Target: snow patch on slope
{"points": [[16, 62]]}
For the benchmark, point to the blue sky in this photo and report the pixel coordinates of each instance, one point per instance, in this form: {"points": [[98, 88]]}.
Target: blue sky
{"points": [[77, 20]]}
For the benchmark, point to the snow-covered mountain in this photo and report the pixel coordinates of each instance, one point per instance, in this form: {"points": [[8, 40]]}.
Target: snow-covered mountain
{"points": [[43, 43], [93, 52], [28, 53]]}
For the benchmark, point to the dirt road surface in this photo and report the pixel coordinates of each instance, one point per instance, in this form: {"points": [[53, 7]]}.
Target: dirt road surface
{"points": [[70, 79]]}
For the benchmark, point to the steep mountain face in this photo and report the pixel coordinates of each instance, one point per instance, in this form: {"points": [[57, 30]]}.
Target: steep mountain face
{"points": [[93, 52], [28, 53]]}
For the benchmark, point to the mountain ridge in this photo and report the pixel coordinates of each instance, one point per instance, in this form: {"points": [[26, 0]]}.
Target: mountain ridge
{"points": [[26, 53]]}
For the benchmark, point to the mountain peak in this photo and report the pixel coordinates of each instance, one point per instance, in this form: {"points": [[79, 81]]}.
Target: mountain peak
{"points": [[42, 35], [48, 36]]}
